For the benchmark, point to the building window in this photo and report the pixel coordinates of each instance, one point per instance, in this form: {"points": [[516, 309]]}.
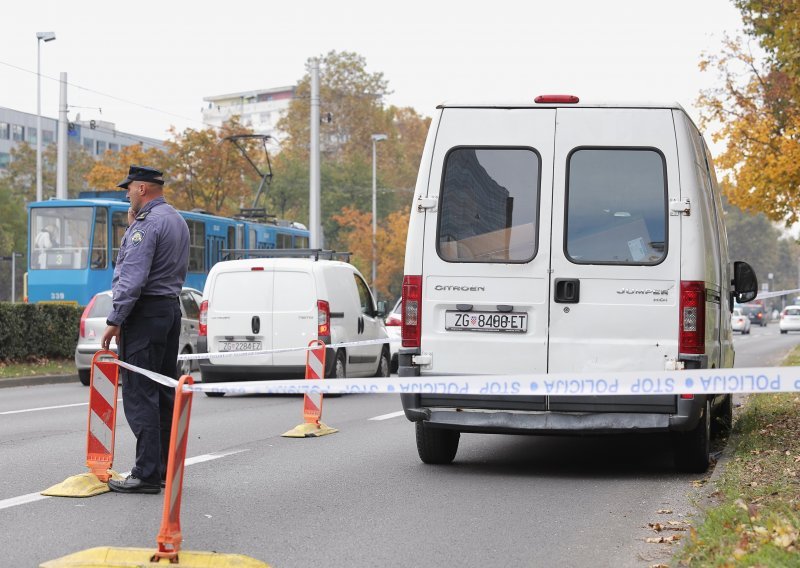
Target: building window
{"points": [[31, 135], [17, 133], [101, 147], [48, 136], [113, 147], [5, 131], [5, 159], [88, 143]]}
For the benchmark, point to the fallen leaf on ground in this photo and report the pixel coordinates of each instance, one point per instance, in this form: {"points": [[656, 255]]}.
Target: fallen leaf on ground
{"points": [[664, 511], [663, 539]]}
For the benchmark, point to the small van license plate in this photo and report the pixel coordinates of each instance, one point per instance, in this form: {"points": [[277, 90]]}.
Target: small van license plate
{"points": [[486, 321], [240, 346]]}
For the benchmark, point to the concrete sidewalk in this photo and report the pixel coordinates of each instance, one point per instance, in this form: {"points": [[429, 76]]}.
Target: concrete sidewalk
{"points": [[38, 380]]}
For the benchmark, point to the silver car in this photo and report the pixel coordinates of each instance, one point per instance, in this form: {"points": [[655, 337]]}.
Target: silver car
{"points": [[93, 324]]}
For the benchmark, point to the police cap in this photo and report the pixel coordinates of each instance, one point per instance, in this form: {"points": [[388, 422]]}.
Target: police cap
{"points": [[142, 173]]}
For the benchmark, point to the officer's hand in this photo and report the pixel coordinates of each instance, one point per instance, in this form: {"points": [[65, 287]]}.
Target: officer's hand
{"points": [[131, 216], [112, 331]]}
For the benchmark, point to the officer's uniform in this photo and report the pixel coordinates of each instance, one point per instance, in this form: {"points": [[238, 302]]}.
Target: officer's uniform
{"points": [[149, 274]]}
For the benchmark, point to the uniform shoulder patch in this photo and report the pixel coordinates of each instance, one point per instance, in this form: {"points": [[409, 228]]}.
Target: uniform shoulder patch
{"points": [[142, 216], [137, 237]]}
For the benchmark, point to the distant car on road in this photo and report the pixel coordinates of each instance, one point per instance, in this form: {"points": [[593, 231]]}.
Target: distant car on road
{"points": [[757, 312], [790, 319], [740, 322], [394, 327], [93, 324]]}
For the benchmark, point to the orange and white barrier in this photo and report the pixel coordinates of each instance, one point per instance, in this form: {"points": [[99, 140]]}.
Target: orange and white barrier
{"points": [[169, 536], [102, 415], [312, 400]]}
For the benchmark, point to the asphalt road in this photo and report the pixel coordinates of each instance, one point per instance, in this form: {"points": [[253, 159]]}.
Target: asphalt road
{"points": [[359, 497]]}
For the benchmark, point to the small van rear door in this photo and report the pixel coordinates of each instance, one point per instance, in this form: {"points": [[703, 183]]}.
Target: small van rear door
{"points": [[615, 282], [295, 313], [487, 243], [240, 313]]}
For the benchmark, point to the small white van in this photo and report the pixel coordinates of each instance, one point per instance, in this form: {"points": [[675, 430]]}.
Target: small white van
{"points": [[558, 236], [276, 303]]}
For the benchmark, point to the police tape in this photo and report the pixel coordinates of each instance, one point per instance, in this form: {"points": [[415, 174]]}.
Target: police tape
{"points": [[684, 382], [766, 295], [226, 354]]}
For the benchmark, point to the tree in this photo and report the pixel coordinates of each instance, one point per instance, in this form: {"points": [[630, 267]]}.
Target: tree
{"points": [[758, 106], [13, 237], [21, 173], [112, 167]]}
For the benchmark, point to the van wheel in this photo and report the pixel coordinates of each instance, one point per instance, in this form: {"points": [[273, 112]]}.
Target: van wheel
{"points": [[340, 366], [723, 419], [436, 445], [691, 448], [85, 376], [383, 364], [184, 367]]}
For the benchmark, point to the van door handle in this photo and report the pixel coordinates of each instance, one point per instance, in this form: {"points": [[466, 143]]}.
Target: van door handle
{"points": [[568, 290]]}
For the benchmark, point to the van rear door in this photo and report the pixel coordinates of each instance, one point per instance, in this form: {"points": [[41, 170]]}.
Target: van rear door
{"points": [[240, 314], [295, 314], [487, 246], [615, 284]]}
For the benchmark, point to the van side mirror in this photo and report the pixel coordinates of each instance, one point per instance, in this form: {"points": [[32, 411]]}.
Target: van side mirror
{"points": [[381, 309], [744, 283]]}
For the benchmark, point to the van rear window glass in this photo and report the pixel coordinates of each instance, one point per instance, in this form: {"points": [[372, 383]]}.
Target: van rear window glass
{"points": [[489, 205], [242, 292], [616, 207]]}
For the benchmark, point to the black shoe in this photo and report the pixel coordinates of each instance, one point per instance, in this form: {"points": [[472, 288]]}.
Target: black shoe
{"points": [[163, 483], [133, 484]]}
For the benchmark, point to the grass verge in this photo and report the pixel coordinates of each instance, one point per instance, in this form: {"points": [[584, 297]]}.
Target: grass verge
{"points": [[756, 517], [11, 370]]}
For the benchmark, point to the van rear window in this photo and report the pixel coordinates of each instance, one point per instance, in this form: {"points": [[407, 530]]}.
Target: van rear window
{"points": [[616, 207], [489, 205]]}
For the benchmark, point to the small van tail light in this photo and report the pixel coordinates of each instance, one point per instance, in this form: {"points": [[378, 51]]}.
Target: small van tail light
{"points": [[556, 99], [687, 396], [323, 319], [85, 315], [693, 317], [203, 320], [257, 268], [412, 311]]}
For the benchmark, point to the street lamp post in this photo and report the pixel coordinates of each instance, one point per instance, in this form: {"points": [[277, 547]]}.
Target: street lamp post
{"points": [[375, 139], [46, 36]]}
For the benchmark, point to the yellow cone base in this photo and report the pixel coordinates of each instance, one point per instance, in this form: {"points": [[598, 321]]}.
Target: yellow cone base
{"points": [[107, 557], [309, 430], [83, 485]]}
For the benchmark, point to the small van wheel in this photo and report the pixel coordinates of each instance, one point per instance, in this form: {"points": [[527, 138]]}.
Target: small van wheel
{"points": [[185, 367], [691, 448], [436, 445], [85, 376], [383, 364], [723, 419]]}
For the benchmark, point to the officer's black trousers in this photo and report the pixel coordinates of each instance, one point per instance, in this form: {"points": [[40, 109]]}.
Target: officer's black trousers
{"points": [[150, 337]]}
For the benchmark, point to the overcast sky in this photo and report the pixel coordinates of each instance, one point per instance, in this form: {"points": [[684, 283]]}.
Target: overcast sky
{"points": [[149, 64]]}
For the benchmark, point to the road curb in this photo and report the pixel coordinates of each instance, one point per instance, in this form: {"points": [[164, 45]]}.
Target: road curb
{"points": [[38, 380], [727, 451]]}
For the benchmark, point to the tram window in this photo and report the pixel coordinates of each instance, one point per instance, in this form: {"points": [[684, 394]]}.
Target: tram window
{"points": [[197, 245], [100, 242], [301, 242], [253, 242], [284, 241], [60, 238], [119, 224]]}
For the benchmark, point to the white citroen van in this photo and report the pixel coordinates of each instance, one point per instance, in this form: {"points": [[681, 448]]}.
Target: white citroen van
{"points": [[558, 236], [277, 303]]}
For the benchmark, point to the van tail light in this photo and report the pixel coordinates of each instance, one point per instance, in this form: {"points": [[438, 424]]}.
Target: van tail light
{"points": [[556, 99], [693, 317], [394, 320], [323, 319], [412, 311], [687, 396], [85, 315], [203, 320]]}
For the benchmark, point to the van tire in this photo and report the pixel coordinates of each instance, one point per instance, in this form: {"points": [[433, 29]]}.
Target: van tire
{"points": [[723, 418], [84, 376], [691, 449], [384, 366], [339, 370], [436, 445], [184, 367], [214, 394]]}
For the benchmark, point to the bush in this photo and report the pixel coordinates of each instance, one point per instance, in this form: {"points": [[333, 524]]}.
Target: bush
{"points": [[31, 331]]}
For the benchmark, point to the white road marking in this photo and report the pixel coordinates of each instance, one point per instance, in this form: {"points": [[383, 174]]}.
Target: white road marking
{"points": [[388, 416], [33, 497], [48, 408]]}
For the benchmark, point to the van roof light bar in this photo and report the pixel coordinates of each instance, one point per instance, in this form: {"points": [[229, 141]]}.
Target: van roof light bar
{"points": [[557, 99], [316, 254]]}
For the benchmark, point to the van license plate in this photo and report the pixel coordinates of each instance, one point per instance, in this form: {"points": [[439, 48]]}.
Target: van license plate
{"points": [[486, 321], [240, 346]]}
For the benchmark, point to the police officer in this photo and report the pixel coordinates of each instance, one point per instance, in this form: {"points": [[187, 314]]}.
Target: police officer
{"points": [[145, 320]]}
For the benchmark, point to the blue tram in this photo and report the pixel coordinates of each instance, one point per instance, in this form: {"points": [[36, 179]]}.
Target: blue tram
{"points": [[73, 245]]}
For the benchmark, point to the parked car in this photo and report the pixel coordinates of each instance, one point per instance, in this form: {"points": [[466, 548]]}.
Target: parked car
{"points": [[740, 322], [550, 235], [93, 324], [274, 303], [790, 319], [394, 323]]}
